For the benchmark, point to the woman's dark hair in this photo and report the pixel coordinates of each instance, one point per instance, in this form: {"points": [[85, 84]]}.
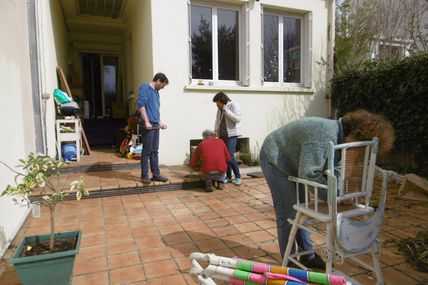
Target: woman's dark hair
{"points": [[161, 77], [221, 97], [363, 125]]}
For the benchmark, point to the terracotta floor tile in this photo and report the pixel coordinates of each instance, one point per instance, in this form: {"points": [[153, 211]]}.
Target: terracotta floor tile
{"points": [[197, 225], [165, 221], [248, 252], [81, 265], [201, 235], [412, 272], [225, 231], [122, 259], [93, 229], [140, 222], [183, 263], [121, 246], [176, 238], [149, 242], [145, 232], [115, 220], [125, 275], [248, 227], [210, 245], [154, 254], [184, 249], [226, 252], [190, 279], [89, 240], [218, 222], [176, 279], [113, 237], [265, 224], [9, 276], [94, 251], [236, 240], [160, 268], [114, 228], [100, 278], [170, 229], [260, 236], [237, 219]]}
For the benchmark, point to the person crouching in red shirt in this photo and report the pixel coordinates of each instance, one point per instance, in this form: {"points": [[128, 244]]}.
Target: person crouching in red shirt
{"points": [[214, 157]]}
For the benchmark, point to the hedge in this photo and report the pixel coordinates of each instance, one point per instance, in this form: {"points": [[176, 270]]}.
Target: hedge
{"points": [[397, 90]]}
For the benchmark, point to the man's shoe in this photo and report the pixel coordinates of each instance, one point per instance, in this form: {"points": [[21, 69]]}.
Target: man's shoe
{"points": [[146, 180], [159, 178], [227, 180], [314, 261], [238, 181], [220, 185], [209, 186]]}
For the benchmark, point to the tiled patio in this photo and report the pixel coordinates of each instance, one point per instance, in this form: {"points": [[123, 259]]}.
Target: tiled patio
{"points": [[146, 238]]}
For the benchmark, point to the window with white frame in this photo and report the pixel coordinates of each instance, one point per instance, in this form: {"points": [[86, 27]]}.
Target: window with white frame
{"points": [[282, 49], [215, 41]]}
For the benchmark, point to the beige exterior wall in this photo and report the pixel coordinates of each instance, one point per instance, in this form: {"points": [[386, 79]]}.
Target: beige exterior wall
{"points": [[16, 102], [16, 112], [188, 111], [139, 45], [53, 52]]}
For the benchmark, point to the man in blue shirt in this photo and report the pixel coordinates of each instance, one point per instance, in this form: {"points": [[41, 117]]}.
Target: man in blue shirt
{"points": [[148, 102]]}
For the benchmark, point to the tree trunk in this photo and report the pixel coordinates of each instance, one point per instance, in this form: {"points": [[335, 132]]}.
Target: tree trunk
{"points": [[52, 238]]}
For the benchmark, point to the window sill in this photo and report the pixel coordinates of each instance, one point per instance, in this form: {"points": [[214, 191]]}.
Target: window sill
{"points": [[261, 89]]}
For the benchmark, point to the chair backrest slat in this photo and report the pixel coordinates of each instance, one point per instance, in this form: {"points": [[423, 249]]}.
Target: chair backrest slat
{"points": [[355, 171]]}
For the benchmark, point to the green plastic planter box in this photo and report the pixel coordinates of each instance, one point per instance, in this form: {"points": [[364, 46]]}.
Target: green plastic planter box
{"points": [[47, 269]]}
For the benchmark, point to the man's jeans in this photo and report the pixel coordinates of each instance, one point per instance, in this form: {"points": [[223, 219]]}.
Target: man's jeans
{"points": [[150, 151], [213, 175], [233, 164], [283, 194]]}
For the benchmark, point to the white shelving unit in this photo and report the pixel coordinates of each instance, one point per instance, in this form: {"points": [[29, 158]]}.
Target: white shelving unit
{"points": [[72, 135]]}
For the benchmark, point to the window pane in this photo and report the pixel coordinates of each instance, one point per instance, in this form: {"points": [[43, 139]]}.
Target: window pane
{"points": [[202, 67], [292, 50], [228, 44], [270, 36]]}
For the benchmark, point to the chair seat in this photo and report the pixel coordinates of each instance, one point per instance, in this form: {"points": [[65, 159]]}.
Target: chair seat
{"points": [[323, 214]]}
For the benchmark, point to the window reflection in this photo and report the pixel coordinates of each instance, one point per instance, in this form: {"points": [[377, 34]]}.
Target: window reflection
{"points": [[292, 50], [228, 44], [270, 40], [201, 31]]}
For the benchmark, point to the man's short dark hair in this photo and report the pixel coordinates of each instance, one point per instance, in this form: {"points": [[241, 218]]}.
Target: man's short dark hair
{"points": [[161, 77], [220, 96]]}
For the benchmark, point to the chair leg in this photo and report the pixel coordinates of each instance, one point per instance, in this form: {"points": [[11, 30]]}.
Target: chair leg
{"points": [[329, 249], [376, 264], [291, 238]]}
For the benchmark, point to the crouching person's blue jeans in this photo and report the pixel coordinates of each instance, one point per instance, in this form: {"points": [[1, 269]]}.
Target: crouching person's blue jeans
{"points": [[283, 194]]}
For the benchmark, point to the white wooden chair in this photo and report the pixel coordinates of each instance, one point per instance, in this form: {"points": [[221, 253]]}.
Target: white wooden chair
{"points": [[350, 230]]}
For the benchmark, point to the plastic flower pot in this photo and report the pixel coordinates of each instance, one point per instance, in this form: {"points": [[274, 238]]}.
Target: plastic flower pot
{"points": [[45, 269]]}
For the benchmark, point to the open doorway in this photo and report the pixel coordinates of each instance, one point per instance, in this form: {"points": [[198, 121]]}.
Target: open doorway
{"points": [[102, 92], [100, 84]]}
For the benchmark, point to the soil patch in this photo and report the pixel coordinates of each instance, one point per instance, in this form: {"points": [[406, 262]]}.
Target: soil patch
{"points": [[415, 250], [38, 248]]}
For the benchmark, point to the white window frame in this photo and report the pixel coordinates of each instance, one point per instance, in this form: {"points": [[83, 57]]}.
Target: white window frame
{"points": [[241, 42], [305, 52], [403, 44]]}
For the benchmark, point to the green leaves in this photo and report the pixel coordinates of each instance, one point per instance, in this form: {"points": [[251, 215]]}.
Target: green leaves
{"points": [[36, 175], [399, 91]]}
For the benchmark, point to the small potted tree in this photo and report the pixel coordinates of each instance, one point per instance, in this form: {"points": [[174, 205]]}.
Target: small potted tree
{"points": [[44, 259]]}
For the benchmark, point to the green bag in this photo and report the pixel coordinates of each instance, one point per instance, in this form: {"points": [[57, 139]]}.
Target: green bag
{"points": [[61, 97]]}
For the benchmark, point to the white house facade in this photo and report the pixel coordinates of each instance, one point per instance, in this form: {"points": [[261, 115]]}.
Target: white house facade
{"points": [[270, 56]]}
